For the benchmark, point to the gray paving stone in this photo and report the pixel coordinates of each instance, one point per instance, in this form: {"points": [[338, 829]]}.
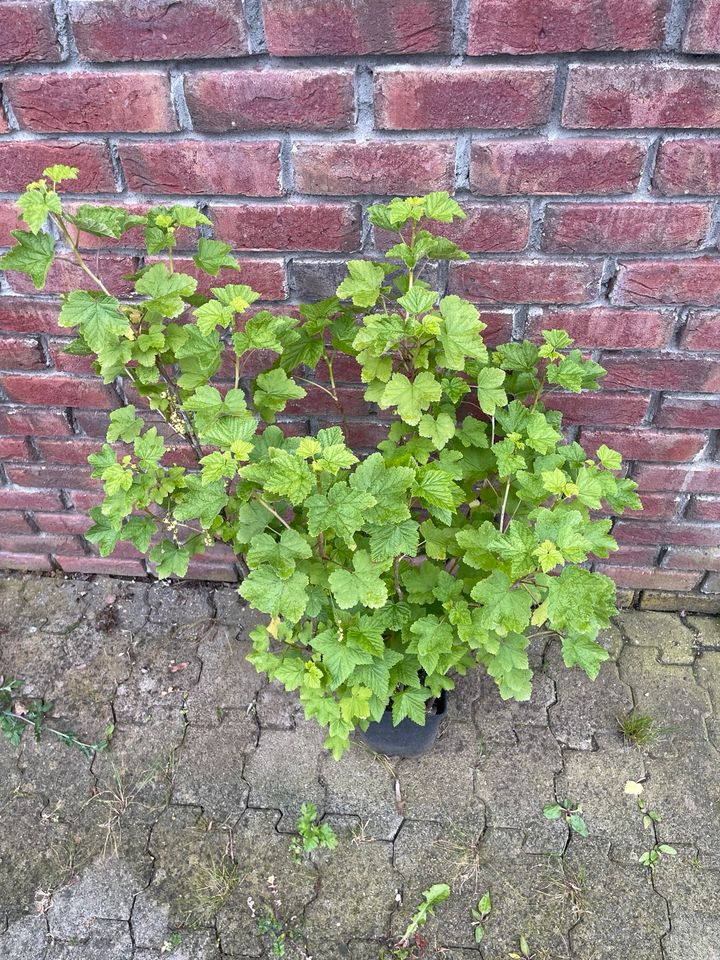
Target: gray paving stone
{"points": [[693, 892], [685, 791], [164, 670], [362, 784], [25, 939], [707, 629], [179, 608], [276, 709], [664, 631], [283, 770], [227, 681], [104, 892]]}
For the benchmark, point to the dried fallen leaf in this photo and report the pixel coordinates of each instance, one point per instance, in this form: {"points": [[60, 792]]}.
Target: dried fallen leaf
{"points": [[179, 666]]}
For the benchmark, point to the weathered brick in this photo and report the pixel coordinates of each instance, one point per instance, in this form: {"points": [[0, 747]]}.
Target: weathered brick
{"points": [[644, 95], [606, 327], [13, 522], [555, 26], [4, 127], [652, 445], [624, 227], [688, 166], [8, 222], [268, 99], [338, 27], [55, 389], [606, 409], [25, 315], [378, 167], [676, 532], [117, 30], [53, 476], [662, 373], [686, 558], [526, 281], [487, 228], [13, 448], [84, 102], [704, 508], [656, 506], [689, 602], [702, 33], [267, 277], [64, 276], [633, 555], [22, 161], [42, 543], [198, 166], [681, 412], [332, 227], [69, 522], [561, 167], [23, 561], [691, 478], [18, 498], [72, 450], [21, 422], [28, 32], [640, 578], [702, 331], [444, 99], [21, 353], [108, 565], [693, 281]]}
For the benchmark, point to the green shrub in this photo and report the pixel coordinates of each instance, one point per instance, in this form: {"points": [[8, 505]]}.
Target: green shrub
{"points": [[382, 578]]}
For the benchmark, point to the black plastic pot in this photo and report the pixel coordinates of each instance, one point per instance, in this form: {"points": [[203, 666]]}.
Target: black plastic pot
{"points": [[407, 739]]}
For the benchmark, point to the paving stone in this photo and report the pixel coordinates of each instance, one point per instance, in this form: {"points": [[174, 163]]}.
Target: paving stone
{"points": [[498, 721], [685, 791], [361, 784], [707, 674], [108, 940], [664, 631], [103, 892], [178, 608], [691, 602], [58, 776], [693, 892], [209, 767], [622, 916], [276, 709], [164, 670], [201, 945], [708, 630], [227, 681], [283, 770], [25, 940], [231, 609]]}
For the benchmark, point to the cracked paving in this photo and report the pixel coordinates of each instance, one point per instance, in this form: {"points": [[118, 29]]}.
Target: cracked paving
{"points": [[175, 841]]}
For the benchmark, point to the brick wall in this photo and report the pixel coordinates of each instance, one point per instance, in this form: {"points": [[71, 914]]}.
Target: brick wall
{"points": [[582, 138]]}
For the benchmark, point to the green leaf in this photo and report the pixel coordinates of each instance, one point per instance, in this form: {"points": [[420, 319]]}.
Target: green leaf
{"points": [[410, 703], [436, 488], [339, 657], [98, 316], [504, 609], [149, 448], [578, 825], [553, 811], [280, 554], [362, 585], [104, 532], [213, 255], [509, 667], [170, 559], [270, 594], [340, 512], [440, 429], [124, 425], [410, 398], [491, 394], [435, 640], [211, 315], [200, 501], [36, 206], [583, 651], [610, 459], [290, 477], [32, 255], [237, 296], [541, 435], [575, 374], [387, 485], [103, 221], [580, 601], [418, 300], [394, 540], [363, 284], [140, 531], [460, 333], [165, 290], [273, 390], [441, 207], [59, 172]]}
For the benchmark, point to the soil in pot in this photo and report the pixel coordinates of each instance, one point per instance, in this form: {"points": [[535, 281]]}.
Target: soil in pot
{"points": [[407, 739]]}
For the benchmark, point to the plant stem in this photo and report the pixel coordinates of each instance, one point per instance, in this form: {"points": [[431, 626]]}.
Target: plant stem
{"points": [[504, 505], [273, 512], [77, 255]]}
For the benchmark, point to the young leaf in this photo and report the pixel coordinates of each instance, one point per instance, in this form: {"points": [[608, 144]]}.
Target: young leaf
{"points": [[410, 398], [36, 207], [32, 255], [213, 255], [363, 584], [273, 390], [269, 593], [363, 284], [491, 394], [98, 316], [59, 172]]}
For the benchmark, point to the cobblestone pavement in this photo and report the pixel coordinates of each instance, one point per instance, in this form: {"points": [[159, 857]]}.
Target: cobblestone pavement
{"points": [[155, 847]]}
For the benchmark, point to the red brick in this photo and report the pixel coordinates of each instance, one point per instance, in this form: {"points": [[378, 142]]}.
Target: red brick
{"points": [[53, 475], [332, 227], [662, 373], [21, 422], [8, 222], [606, 409], [556, 26], [21, 354], [640, 578], [487, 228], [26, 315], [624, 227], [117, 30], [107, 565], [13, 448], [318, 402], [704, 508], [680, 558], [20, 499], [198, 166], [633, 556], [644, 95], [606, 327], [57, 389], [653, 445], [694, 281], [23, 561], [699, 478], [64, 276], [688, 166], [28, 33], [68, 522], [349, 168], [680, 412], [267, 277], [83, 500], [360, 434], [13, 523], [702, 331], [267, 99], [4, 128], [656, 506], [69, 362], [676, 532], [561, 167], [204, 568], [42, 543], [445, 99], [84, 102], [499, 326], [72, 450], [24, 160], [526, 281], [702, 33], [339, 27]]}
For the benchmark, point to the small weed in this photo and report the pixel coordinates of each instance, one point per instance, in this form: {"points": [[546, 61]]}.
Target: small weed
{"points": [[16, 715], [172, 943], [279, 931], [652, 857], [438, 893], [213, 884], [480, 914], [571, 811], [463, 858], [568, 887], [638, 728], [524, 953], [312, 835], [118, 797]]}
